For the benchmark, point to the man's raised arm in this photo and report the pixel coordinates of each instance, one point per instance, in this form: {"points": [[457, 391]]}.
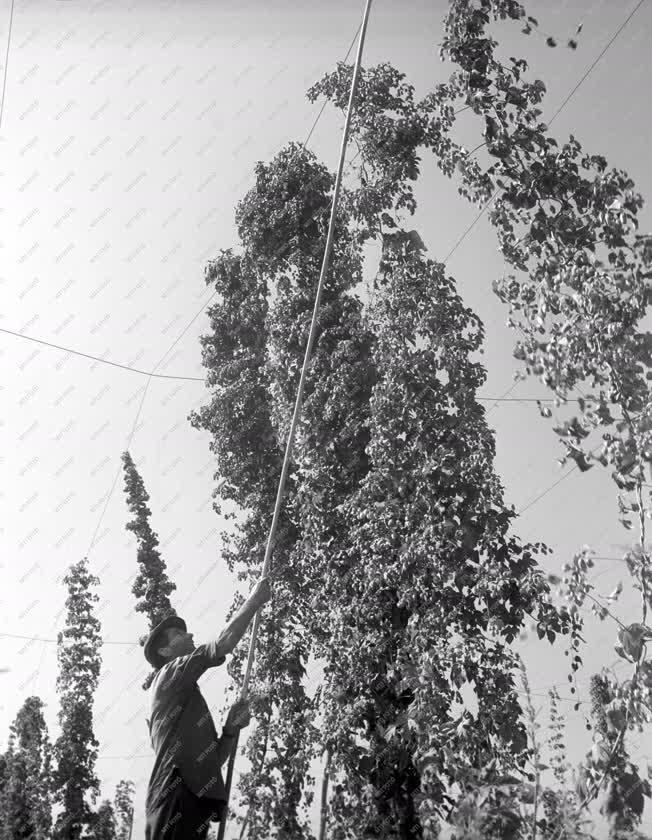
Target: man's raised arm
{"points": [[237, 627], [184, 671]]}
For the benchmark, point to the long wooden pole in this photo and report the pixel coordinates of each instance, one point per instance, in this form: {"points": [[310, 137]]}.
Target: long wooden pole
{"points": [[323, 811], [299, 399]]}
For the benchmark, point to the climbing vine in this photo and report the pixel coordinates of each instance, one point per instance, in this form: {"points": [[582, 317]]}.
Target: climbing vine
{"points": [[395, 567], [577, 284]]}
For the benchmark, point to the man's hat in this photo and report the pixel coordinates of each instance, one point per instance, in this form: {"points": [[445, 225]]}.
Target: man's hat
{"points": [[154, 639]]}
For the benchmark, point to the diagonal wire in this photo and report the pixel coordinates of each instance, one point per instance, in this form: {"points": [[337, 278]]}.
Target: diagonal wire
{"points": [[503, 398], [154, 375], [595, 62], [547, 490], [98, 358], [348, 52], [4, 79], [54, 641], [140, 407], [554, 484]]}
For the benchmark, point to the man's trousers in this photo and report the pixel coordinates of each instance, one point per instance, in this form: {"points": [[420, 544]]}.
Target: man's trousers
{"points": [[182, 815]]}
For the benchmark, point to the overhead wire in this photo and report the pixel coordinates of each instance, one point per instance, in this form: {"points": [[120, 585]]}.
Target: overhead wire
{"points": [[154, 375], [6, 67], [595, 62], [504, 397], [321, 111], [140, 407], [547, 490], [55, 641], [100, 359], [553, 485]]}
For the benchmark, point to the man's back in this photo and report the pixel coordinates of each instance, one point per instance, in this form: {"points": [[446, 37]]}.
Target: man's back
{"points": [[182, 730]]}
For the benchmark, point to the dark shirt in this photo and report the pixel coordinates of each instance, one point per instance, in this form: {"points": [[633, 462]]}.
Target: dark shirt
{"points": [[182, 730]]}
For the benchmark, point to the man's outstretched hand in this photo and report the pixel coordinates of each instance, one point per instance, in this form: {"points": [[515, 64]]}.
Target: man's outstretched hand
{"points": [[239, 716]]}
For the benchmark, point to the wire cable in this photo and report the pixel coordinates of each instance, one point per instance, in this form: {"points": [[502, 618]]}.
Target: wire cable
{"points": [[140, 408], [554, 484], [99, 359], [589, 71], [4, 79], [314, 125], [547, 490], [154, 375], [55, 641]]}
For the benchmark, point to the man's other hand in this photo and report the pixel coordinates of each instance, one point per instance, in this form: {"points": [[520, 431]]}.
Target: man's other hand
{"points": [[239, 715]]}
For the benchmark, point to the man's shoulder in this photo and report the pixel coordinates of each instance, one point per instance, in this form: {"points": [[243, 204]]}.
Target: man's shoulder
{"points": [[162, 684], [169, 676], [195, 663], [166, 701], [182, 672], [159, 677]]}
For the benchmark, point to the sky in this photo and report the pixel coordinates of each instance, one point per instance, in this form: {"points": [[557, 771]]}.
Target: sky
{"points": [[129, 132]]}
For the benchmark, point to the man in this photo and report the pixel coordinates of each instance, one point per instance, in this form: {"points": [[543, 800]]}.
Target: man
{"points": [[186, 790]]}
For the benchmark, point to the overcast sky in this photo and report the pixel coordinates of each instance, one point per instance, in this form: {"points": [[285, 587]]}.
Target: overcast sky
{"points": [[128, 134]]}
